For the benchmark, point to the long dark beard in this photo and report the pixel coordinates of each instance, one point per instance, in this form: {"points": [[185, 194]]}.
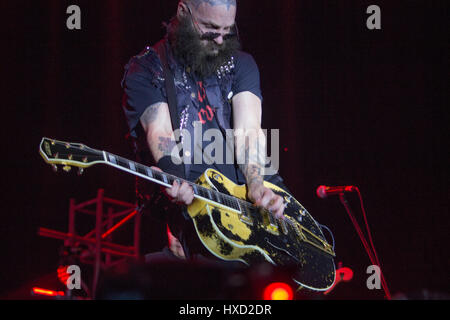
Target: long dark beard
{"points": [[189, 50]]}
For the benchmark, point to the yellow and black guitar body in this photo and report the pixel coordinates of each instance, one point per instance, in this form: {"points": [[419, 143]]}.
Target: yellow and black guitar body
{"points": [[233, 229]]}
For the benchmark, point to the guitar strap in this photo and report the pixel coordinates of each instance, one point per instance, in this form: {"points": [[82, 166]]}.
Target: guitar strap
{"points": [[161, 49]]}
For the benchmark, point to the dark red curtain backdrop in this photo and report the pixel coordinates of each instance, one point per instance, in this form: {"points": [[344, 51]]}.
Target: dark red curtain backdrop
{"points": [[354, 107]]}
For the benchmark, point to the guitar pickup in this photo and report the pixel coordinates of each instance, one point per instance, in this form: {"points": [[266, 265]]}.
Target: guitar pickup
{"points": [[246, 219], [273, 229], [270, 222]]}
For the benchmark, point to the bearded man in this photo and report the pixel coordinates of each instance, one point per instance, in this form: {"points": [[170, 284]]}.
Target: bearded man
{"points": [[217, 86]]}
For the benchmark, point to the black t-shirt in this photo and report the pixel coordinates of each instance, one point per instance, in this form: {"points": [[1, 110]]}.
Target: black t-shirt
{"points": [[208, 119]]}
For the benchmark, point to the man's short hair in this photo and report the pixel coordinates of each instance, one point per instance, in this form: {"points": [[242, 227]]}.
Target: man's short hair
{"points": [[196, 3]]}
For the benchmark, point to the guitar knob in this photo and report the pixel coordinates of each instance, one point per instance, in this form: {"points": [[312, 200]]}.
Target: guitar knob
{"points": [[80, 171], [55, 167]]}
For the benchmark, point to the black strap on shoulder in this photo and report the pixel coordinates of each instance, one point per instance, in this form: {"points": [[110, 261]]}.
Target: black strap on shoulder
{"points": [[161, 49]]}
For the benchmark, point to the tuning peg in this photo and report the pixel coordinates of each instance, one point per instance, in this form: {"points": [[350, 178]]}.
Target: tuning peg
{"points": [[67, 168], [80, 171], [55, 167]]}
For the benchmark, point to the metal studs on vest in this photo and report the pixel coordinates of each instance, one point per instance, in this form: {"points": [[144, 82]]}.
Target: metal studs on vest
{"points": [[225, 69]]}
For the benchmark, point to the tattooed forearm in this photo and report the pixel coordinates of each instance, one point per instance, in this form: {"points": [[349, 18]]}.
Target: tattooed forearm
{"points": [[150, 115], [253, 175], [251, 156], [158, 130], [166, 146]]}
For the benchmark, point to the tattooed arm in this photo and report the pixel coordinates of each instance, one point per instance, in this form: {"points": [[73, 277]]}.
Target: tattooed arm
{"points": [[161, 142], [158, 128], [250, 146]]}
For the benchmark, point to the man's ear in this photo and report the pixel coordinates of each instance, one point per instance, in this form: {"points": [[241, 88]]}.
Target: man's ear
{"points": [[182, 10]]}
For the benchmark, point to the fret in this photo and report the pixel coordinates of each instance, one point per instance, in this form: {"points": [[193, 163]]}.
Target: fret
{"points": [[227, 201], [245, 212], [218, 197], [163, 178], [201, 192], [112, 158], [204, 193], [213, 195], [149, 172], [132, 165], [140, 169], [122, 162], [157, 175], [236, 204], [239, 204]]}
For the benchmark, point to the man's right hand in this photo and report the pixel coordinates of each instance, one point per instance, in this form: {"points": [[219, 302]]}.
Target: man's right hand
{"points": [[265, 198], [180, 194]]}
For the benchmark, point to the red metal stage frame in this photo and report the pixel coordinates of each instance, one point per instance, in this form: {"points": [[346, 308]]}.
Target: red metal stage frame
{"points": [[100, 239]]}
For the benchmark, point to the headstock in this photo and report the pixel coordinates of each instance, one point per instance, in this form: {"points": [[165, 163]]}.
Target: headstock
{"points": [[69, 154]]}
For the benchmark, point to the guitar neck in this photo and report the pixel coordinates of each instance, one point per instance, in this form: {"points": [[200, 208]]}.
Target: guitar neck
{"points": [[68, 154], [167, 180]]}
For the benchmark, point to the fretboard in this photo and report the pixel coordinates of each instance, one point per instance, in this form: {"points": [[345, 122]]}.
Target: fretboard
{"points": [[167, 180]]}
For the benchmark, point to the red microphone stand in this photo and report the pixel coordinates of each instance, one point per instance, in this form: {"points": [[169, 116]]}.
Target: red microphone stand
{"points": [[372, 255]]}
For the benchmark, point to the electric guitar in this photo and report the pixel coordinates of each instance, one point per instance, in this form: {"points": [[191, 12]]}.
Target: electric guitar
{"points": [[228, 225]]}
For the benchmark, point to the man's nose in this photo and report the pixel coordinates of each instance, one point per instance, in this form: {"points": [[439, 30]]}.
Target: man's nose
{"points": [[219, 40]]}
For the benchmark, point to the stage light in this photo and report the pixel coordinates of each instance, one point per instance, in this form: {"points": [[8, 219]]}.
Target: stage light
{"points": [[343, 274], [46, 292], [62, 274], [278, 291]]}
